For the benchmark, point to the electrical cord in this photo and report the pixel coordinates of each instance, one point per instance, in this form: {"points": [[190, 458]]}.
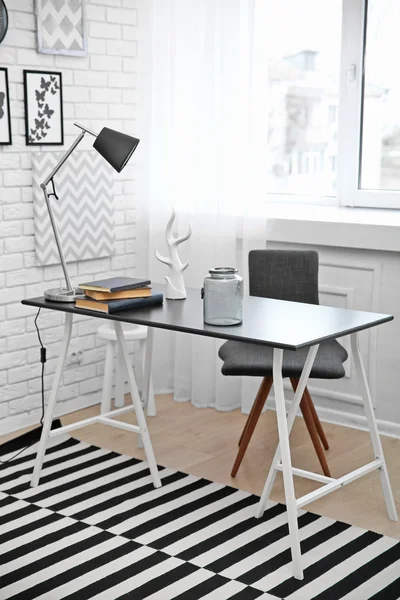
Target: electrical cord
{"points": [[42, 360]]}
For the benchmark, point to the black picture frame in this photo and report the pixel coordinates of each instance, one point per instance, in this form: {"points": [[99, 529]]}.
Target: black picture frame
{"points": [[44, 120], [5, 128]]}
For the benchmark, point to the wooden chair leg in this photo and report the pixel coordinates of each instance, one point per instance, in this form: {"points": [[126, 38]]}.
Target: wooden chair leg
{"points": [[251, 414], [312, 429], [251, 422], [317, 422]]}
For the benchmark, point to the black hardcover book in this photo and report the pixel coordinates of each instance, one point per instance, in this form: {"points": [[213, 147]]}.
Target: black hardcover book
{"points": [[113, 306], [115, 284]]}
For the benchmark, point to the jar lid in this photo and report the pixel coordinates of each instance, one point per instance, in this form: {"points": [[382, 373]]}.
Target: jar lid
{"points": [[223, 271]]}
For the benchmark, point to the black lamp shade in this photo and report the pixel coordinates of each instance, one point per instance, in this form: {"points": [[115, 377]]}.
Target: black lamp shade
{"points": [[115, 147]]}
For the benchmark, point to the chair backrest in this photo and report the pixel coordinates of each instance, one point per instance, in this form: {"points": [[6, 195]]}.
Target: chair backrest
{"points": [[284, 275]]}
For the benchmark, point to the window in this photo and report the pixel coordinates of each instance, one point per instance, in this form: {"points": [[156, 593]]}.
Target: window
{"points": [[334, 102], [303, 79], [380, 158]]}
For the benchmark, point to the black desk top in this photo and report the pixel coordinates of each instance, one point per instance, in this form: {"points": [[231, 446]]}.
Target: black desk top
{"points": [[276, 323]]}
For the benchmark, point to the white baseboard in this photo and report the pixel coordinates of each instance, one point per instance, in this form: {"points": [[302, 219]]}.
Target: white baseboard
{"points": [[328, 415], [347, 419], [357, 421], [12, 424], [16, 422], [20, 421]]}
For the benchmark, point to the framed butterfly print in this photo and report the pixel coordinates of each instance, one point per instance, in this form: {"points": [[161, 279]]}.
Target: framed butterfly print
{"points": [[43, 108], [5, 118]]}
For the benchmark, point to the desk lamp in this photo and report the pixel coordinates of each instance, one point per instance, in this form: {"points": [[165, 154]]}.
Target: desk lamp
{"points": [[116, 148]]}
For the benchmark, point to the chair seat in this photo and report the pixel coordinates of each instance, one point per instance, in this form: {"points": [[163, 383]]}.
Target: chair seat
{"points": [[254, 360]]}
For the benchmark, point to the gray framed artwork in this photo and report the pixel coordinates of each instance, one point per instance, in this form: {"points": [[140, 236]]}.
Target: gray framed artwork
{"points": [[61, 27], [5, 117]]}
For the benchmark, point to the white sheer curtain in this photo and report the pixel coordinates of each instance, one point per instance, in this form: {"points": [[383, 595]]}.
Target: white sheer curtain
{"points": [[203, 151]]}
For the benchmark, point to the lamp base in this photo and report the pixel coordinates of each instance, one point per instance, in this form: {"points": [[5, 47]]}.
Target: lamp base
{"points": [[63, 295]]}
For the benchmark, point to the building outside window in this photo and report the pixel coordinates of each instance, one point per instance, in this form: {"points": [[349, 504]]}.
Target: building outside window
{"points": [[334, 98]]}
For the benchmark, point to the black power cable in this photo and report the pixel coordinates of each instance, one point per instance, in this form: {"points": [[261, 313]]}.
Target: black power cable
{"points": [[42, 360]]}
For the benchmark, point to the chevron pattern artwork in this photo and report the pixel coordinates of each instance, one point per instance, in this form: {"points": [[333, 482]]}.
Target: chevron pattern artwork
{"points": [[84, 213], [61, 27]]}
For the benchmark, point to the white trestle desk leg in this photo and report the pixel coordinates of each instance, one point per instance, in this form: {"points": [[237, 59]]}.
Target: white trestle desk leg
{"points": [[48, 419], [269, 483], [138, 405], [119, 380], [373, 428], [107, 381], [147, 391], [286, 463]]}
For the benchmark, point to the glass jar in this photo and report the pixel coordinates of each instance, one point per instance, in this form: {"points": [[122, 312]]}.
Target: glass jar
{"points": [[223, 297]]}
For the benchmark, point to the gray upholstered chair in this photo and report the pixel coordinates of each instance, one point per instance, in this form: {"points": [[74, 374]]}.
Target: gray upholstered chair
{"points": [[283, 275]]}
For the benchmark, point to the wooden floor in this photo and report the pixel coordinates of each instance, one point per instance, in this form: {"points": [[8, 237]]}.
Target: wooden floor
{"points": [[203, 442]]}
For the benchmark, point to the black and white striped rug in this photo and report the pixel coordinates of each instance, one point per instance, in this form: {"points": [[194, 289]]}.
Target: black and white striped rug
{"points": [[97, 528]]}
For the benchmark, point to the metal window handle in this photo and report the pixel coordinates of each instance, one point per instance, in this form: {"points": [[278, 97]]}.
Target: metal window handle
{"points": [[351, 73]]}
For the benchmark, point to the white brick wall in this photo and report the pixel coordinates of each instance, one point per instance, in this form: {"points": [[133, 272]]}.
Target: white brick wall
{"points": [[98, 90]]}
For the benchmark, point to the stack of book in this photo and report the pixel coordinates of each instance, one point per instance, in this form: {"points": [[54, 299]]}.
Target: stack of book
{"points": [[116, 294]]}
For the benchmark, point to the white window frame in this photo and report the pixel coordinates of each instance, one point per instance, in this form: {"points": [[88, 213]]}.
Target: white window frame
{"points": [[348, 191], [350, 114]]}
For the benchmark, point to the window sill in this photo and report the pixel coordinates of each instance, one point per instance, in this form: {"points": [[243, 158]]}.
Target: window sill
{"points": [[367, 228]]}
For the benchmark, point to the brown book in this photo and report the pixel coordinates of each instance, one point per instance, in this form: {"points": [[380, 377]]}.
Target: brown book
{"points": [[112, 306], [138, 293]]}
